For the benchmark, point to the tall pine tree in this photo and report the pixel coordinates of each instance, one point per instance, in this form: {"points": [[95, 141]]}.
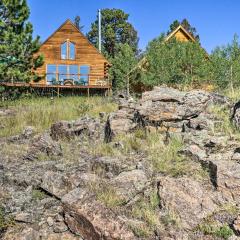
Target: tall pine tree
{"points": [[115, 30], [18, 49]]}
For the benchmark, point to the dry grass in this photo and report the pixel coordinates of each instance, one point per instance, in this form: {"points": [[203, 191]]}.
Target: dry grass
{"points": [[146, 210], [224, 125], [42, 112], [106, 194], [12, 150], [164, 158]]}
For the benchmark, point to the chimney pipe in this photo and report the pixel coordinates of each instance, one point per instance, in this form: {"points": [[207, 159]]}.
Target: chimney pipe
{"points": [[99, 31]]}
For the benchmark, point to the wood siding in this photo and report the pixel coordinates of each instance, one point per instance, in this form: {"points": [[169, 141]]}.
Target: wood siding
{"points": [[85, 53], [181, 36]]}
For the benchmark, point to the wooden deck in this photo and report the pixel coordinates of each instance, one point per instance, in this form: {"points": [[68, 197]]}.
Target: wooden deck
{"points": [[35, 85]]}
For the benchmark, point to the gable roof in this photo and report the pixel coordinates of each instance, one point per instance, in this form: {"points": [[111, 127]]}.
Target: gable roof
{"points": [[69, 21], [180, 28]]}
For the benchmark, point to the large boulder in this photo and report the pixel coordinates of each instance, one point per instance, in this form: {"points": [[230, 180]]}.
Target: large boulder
{"points": [[163, 108], [187, 199], [120, 122], [43, 144], [225, 173], [167, 104], [129, 184], [90, 219], [86, 125]]}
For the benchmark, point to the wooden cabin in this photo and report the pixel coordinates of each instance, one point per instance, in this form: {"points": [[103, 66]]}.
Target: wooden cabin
{"points": [[181, 35], [71, 60]]}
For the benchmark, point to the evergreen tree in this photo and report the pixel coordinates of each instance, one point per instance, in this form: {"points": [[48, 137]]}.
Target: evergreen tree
{"points": [[77, 23], [115, 30], [17, 47], [175, 62], [226, 67], [122, 64]]}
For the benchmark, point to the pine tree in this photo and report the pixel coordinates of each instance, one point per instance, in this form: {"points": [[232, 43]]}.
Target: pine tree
{"points": [[122, 64], [77, 23], [115, 30], [18, 49], [174, 62]]}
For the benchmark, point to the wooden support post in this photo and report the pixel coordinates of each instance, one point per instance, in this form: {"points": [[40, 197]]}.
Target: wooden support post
{"points": [[58, 92], [128, 86], [88, 92]]}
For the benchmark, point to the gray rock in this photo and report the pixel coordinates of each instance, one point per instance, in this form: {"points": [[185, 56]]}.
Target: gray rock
{"points": [[27, 233], [235, 116], [236, 225], [129, 184], [56, 184], [165, 108], [59, 227], [89, 126], [24, 217], [225, 174], [122, 121], [186, 199], [43, 144], [50, 221], [92, 220]]}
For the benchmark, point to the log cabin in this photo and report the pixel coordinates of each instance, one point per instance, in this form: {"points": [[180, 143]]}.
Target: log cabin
{"points": [[70, 62], [70, 59]]}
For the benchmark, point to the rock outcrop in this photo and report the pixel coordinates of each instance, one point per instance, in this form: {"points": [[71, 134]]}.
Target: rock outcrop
{"points": [[76, 182], [164, 108], [64, 129]]}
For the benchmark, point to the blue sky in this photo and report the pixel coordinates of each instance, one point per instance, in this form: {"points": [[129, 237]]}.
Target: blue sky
{"points": [[215, 20]]}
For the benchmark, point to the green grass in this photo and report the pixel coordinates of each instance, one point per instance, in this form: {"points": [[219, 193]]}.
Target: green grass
{"points": [[146, 210], [38, 195], [210, 228], [42, 112]]}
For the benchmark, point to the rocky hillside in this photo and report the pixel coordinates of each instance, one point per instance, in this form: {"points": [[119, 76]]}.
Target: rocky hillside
{"points": [[162, 167]]}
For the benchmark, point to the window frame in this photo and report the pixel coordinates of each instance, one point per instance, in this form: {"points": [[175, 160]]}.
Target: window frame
{"points": [[51, 73], [68, 42]]}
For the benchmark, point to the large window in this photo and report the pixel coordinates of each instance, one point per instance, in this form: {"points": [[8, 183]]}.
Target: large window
{"points": [[73, 72], [84, 77], [62, 73], [67, 74], [51, 74], [68, 50]]}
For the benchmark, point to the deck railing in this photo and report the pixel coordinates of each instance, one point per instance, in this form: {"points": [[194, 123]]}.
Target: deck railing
{"points": [[93, 80], [76, 79]]}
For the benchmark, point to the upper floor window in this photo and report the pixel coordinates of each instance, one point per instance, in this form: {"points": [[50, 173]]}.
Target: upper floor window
{"points": [[71, 50], [68, 50], [64, 51]]}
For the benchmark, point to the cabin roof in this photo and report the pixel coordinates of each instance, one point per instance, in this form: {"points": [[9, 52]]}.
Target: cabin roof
{"points": [[69, 21], [180, 28]]}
